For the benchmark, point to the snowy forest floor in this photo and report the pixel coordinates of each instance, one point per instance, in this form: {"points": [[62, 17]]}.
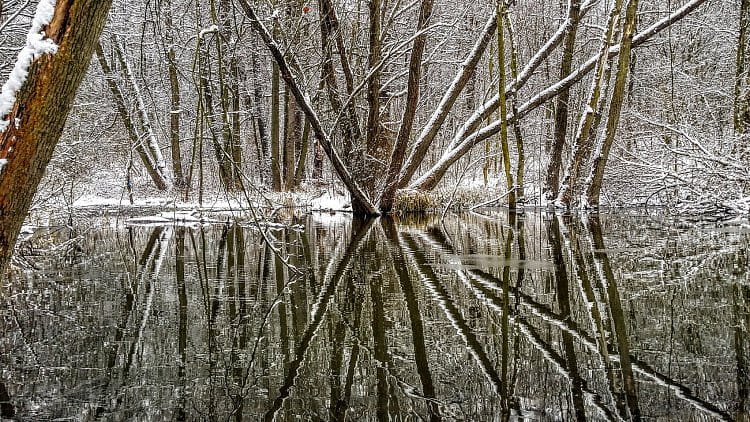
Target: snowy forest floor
{"points": [[331, 198]]}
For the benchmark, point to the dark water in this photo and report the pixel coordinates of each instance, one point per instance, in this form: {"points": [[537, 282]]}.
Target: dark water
{"points": [[483, 317]]}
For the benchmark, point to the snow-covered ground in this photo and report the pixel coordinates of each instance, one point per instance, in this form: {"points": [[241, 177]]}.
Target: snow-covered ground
{"points": [[326, 200]]}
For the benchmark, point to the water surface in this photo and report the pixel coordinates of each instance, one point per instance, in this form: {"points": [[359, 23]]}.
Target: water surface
{"points": [[480, 317]]}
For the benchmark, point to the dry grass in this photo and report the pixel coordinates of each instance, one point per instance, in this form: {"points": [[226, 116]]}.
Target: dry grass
{"points": [[413, 201]]}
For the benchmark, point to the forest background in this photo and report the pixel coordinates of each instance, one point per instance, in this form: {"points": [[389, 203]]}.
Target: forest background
{"points": [[572, 104]]}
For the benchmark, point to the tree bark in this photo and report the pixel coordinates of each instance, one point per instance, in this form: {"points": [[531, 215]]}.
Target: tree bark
{"points": [[292, 133], [373, 100], [292, 115], [583, 142], [348, 123], [552, 180], [740, 101], [42, 107], [275, 130], [260, 120], [615, 108], [521, 158], [504, 104], [174, 100], [300, 169], [7, 410]]}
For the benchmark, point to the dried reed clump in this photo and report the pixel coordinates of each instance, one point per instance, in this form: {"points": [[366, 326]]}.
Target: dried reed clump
{"points": [[414, 201]]}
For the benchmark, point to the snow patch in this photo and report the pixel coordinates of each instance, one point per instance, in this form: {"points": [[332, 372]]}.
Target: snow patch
{"points": [[330, 201], [36, 45], [210, 30]]}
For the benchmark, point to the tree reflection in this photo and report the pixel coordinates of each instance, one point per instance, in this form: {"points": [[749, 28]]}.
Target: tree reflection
{"points": [[7, 410], [479, 317], [415, 318]]}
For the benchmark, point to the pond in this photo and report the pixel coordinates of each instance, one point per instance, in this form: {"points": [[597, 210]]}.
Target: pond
{"points": [[482, 316]]}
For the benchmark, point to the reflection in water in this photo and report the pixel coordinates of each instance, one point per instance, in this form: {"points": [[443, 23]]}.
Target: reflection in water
{"points": [[6, 407], [479, 317]]}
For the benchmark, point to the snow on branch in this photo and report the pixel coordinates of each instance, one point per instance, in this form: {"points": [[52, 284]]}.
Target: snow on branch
{"points": [[210, 30], [36, 45]]}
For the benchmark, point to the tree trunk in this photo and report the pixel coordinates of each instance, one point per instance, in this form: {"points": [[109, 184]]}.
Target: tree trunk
{"points": [[42, 107], [275, 130], [521, 158], [348, 79], [229, 155], [7, 410], [236, 143], [583, 143], [292, 132], [373, 100], [398, 154], [348, 123], [433, 127], [361, 204], [740, 102], [175, 104], [293, 120], [152, 144], [552, 180], [157, 177], [504, 105], [299, 172], [216, 130], [465, 140], [615, 108], [232, 84], [260, 120]]}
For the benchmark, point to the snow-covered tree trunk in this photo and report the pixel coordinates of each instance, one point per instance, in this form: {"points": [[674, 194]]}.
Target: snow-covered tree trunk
{"points": [[152, 144], [582, 143], [361, 203], [561, 106], [398, 154], [457, 147], [431, 129], [596, 178], [157, 177], [470, 135], [35, 102]]}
